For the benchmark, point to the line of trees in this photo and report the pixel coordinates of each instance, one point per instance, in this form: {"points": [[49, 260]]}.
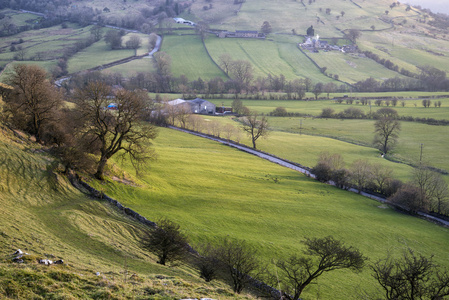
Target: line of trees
{"points": [[426, 192], [429, 79], [410, 276], [36, 106]]}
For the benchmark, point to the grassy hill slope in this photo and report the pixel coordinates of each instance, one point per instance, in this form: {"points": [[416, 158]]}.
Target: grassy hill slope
{"points": [[215, 191], [43, 215]]}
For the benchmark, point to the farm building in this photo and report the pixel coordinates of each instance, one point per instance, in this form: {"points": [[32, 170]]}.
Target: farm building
{"points": [[182, 21], [241, 34], [201, 106], [176, 102], [197, 106]]}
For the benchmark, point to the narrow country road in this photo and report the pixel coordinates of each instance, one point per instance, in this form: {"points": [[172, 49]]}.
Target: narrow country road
{"points": [[298, 168]]}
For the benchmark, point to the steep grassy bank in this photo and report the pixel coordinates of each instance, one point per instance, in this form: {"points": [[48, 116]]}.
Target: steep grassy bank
{"points": [[43, 215]]}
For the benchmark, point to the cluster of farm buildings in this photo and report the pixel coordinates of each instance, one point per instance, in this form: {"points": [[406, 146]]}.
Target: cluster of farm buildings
{"points": [[195, 106], [199, 106], [315, 44]]}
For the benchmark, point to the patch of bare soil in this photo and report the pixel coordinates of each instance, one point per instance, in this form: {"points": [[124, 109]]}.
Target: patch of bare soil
{"points": [[124, 181]]}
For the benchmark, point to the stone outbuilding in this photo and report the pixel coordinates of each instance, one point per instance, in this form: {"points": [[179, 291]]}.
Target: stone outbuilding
{"points": [[201, 106]]}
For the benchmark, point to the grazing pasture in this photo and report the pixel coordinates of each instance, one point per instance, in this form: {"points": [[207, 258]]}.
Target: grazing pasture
{"points": [[274, 59], [44, 215], [190, 58], [215, 191]]}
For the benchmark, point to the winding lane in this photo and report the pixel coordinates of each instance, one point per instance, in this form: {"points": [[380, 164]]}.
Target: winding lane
{"points": [[301, 169]]}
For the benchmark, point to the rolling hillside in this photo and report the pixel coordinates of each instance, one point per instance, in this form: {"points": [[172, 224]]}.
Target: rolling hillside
{"points": [[216, 191], [400, 35], [45, 216]]}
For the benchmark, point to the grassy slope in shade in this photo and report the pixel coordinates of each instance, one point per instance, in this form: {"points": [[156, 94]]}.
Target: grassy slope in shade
{"points": [[215, 191], [41, 213]]}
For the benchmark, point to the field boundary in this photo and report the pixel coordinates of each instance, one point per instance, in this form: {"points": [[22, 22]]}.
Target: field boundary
{"points": [[307, 171], [319, 68], [83, 186]]}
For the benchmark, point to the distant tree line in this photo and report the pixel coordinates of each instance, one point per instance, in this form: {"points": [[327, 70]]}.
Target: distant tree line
{"points": [[430, 79]]}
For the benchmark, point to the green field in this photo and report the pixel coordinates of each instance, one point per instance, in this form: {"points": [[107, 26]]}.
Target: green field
{"points": [[96, 55], [215, 191], [314, 108], [351, 67], [44, 46], [133, 67], [285, 140], [44, 215], [189, 58], [275, 59]]}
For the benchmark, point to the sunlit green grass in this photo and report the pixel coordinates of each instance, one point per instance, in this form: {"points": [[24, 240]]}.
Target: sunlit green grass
{"points": [[274, 59], [189, 58], [352, 68], [96, 55], [44, 215], [215, 191], [129, 69], [413, 107]]}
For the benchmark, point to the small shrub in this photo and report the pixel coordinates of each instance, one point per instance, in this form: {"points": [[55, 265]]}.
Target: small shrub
{"points": [[341, 178], [327, 112], [322, 172], [279, 112]]}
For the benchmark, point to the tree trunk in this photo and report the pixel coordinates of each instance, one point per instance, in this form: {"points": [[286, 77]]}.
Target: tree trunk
{"points": [[100, 168]]}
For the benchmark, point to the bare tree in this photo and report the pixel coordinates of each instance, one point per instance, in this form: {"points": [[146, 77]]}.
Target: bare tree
{"points": [[327, 165], [411, 277], [134, 42], [266, 27], [323, 255], [432, 187], [225, 62], [381, 176], [182, 114], [317, 90], [255, 126], [152, 40], [242, 72], [239, 260], [329, 87], [195, 122], [162, 61], [238, 107], [202, 30], [361, 174], [207, 263], [111, 131], [96, 31], [386, 129], [353, 35], [229, 130], [114, 39], [34, 100], [166, 241]]}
